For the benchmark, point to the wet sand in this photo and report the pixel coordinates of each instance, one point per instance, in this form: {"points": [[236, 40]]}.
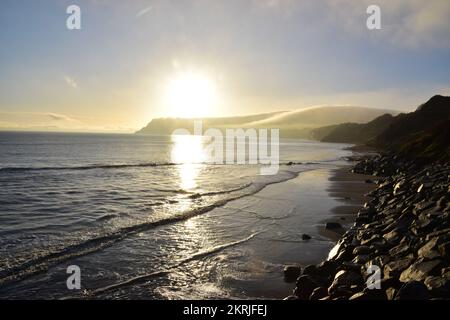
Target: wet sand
{"points": [[350, 189], [299, 206]]}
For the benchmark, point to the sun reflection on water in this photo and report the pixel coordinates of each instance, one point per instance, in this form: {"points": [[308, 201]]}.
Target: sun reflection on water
{"points": [[188, 152]]}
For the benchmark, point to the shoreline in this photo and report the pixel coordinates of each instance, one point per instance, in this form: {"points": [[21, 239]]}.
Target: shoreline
{"points": [[398, 247], [350, 189]]}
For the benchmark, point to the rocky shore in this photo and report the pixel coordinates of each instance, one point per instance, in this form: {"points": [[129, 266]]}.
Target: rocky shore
{"points": [[399, 245]]}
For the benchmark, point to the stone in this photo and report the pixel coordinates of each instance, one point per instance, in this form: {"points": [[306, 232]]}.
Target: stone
{"points": [[345, 278], [419, 270], [396, 267], [437, 233], [390, 293], [310, 270], [350, 266], [327, 268], [392, 236], [361, 250], [306, 236], [291, 273], [369, 294], [344, 253], [438, 285], [361, 259], [400, 250], [359, 296], [318, 293], [413, 290], [305, 286], [444, 250], [372, 239], [429, 250], [442, 202], [291, 297], [379, 261]]}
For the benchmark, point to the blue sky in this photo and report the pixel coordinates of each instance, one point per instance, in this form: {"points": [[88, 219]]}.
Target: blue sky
{"points": [[262, 55]]}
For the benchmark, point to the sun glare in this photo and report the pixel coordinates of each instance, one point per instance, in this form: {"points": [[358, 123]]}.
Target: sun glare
{"points": [[190, 94]]}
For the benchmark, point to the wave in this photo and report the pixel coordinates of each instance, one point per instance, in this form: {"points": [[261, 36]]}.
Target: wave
{"points": [[126, 165], [88, 167], [47, 260], [148, 276]]}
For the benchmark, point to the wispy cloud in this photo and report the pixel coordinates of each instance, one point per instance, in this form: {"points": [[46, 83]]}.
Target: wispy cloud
{"points": [[70, 82], [38, 118], [60, 117], [49, 121], [407, 23], [143, 12]]}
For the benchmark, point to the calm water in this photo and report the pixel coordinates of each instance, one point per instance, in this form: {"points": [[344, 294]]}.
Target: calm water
{"points": [[119, 207]]}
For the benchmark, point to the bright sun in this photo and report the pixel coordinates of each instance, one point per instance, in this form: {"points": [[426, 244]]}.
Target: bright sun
{"points": [[190, 94]]}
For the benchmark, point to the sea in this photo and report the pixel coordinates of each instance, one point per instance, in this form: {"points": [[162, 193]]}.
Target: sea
{"points": [[138, 224]]}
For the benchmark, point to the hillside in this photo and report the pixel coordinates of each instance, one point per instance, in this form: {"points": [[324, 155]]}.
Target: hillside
{"points": [[423, 133], [293, 124], [353, 132]]}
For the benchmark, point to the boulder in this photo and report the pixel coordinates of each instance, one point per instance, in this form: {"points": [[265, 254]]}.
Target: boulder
{"points": [[327, 268], [310, 270], [390, 293], [420, 270], [361, 259], [305, 286], [438, 285], [392, 236], [318, 293], [291, 273], [344, 279], [442, 202], [396, 267], [362, 250], [444, 250], [413, 290], [430, 249], [400, 250], [368, 294], [306, 236]]}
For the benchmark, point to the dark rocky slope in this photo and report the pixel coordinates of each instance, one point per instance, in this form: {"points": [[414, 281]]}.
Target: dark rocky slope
{"points": [[404, 230]]}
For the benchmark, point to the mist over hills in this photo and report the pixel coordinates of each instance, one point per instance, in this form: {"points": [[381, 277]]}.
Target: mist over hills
{"points": [[423, 133], [292, 124]]}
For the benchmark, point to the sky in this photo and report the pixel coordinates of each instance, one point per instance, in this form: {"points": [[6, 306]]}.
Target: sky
{"points": [[114, 74]]}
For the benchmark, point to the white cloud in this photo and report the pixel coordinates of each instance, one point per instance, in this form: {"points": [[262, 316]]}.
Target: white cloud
{"points": [[409, 23], [143, 11], [70, 82]]}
